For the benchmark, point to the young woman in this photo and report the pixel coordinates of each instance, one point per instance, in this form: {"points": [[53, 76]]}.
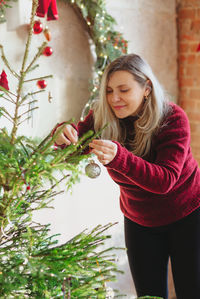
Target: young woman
{"points": [[146, 150]]}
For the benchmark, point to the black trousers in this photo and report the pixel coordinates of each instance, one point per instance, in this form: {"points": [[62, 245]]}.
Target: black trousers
{"points": [[149, 250]]}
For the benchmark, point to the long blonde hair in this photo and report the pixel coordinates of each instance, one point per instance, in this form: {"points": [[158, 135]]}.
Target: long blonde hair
{"points": [[150, 115]]}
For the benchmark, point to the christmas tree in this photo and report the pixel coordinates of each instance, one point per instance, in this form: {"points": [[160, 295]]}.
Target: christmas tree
{"points": [[32, 263]]}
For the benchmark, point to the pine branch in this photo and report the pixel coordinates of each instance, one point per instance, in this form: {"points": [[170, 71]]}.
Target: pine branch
{"points": [[23, 72], [7, 63], [33, 68], [27, 111], [35, 79], [7, 113], [29, 94], [29, 103], [26, 119], [4, 115], [11, 101], [39, 53], [8, 92]]}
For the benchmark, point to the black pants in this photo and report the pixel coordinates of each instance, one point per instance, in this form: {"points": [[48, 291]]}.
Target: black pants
{"points": [[149, 250]]}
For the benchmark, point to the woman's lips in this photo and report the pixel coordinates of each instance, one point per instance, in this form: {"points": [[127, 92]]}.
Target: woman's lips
{"points": [[118, 107]]}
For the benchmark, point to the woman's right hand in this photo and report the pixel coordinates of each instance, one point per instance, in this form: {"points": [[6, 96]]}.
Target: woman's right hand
{"points": [[67, 136]]}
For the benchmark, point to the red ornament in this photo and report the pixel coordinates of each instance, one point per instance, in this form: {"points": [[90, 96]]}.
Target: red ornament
{"points": [[28, 188], [37, 27], [198, 48], [41, 84], [3, 80], [48, 51], [47, 34]]}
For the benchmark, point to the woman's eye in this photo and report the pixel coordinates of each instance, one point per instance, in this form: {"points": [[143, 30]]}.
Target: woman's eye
{"points": [[124, 90], [108, 91]]}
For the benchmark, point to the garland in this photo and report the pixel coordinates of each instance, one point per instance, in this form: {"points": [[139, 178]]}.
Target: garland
{"points": [[3, 5], [109, 43]]}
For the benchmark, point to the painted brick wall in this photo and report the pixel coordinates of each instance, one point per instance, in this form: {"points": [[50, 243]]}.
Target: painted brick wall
{"points": [[188, 18]]}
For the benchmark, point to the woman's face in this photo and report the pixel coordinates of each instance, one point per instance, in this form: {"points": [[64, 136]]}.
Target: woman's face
{"points": [[124, 95]]}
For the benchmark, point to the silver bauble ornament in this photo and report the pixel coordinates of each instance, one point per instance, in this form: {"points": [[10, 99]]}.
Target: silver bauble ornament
{"points": [[92, 170]]}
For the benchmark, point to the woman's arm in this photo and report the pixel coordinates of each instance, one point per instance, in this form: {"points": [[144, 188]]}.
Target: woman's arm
{"points": [[71, 132], [172, 146]]}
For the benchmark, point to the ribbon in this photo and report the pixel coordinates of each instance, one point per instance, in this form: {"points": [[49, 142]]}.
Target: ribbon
{"points": [[3, 80], [47, 7]]}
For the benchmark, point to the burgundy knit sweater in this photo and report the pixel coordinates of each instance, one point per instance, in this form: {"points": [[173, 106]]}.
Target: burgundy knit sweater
{"points": [[163, 189]]}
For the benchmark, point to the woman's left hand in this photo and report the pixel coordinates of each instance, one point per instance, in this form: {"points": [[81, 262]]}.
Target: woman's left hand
{"points": [[105, 150]]}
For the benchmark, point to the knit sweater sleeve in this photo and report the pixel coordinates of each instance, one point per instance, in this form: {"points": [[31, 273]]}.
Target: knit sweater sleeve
{"points": [[86, 125], [171, 146]]}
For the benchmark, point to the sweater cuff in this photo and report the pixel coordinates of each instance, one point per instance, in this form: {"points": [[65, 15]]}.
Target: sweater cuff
{"points": [[116, 163]]}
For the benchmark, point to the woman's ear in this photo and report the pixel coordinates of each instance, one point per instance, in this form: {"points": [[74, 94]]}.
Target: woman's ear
{"points": [[148, 88]]}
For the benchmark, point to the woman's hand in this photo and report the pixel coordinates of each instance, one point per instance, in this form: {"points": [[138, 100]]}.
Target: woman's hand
{"points": [[67, 136], [105, 150]]}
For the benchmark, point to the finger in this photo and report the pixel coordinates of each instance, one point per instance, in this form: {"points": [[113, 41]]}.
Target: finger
{"points": [[104, 143], [71, 134], [63, 140], [75, 134], [97, 147], [99, 154], [104, 162], [104, 159]]}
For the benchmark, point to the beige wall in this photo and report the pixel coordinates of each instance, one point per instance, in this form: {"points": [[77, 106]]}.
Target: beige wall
{"points": [[150, 28]]}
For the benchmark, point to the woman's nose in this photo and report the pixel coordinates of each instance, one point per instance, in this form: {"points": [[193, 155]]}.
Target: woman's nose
{"points": [[115, 97]]}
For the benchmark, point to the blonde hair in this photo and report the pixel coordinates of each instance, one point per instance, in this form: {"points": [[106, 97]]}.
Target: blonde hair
{"points": [[150, 115]]}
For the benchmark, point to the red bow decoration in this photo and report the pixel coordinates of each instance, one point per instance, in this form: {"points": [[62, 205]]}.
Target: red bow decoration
{"points": [[47, 7], [3, 80]]}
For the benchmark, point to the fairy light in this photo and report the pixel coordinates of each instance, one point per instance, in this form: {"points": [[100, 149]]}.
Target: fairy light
{"points": [[101, 39], [101, 20], [4, 258], [25, 261], [88, 22], [3, 233]]}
